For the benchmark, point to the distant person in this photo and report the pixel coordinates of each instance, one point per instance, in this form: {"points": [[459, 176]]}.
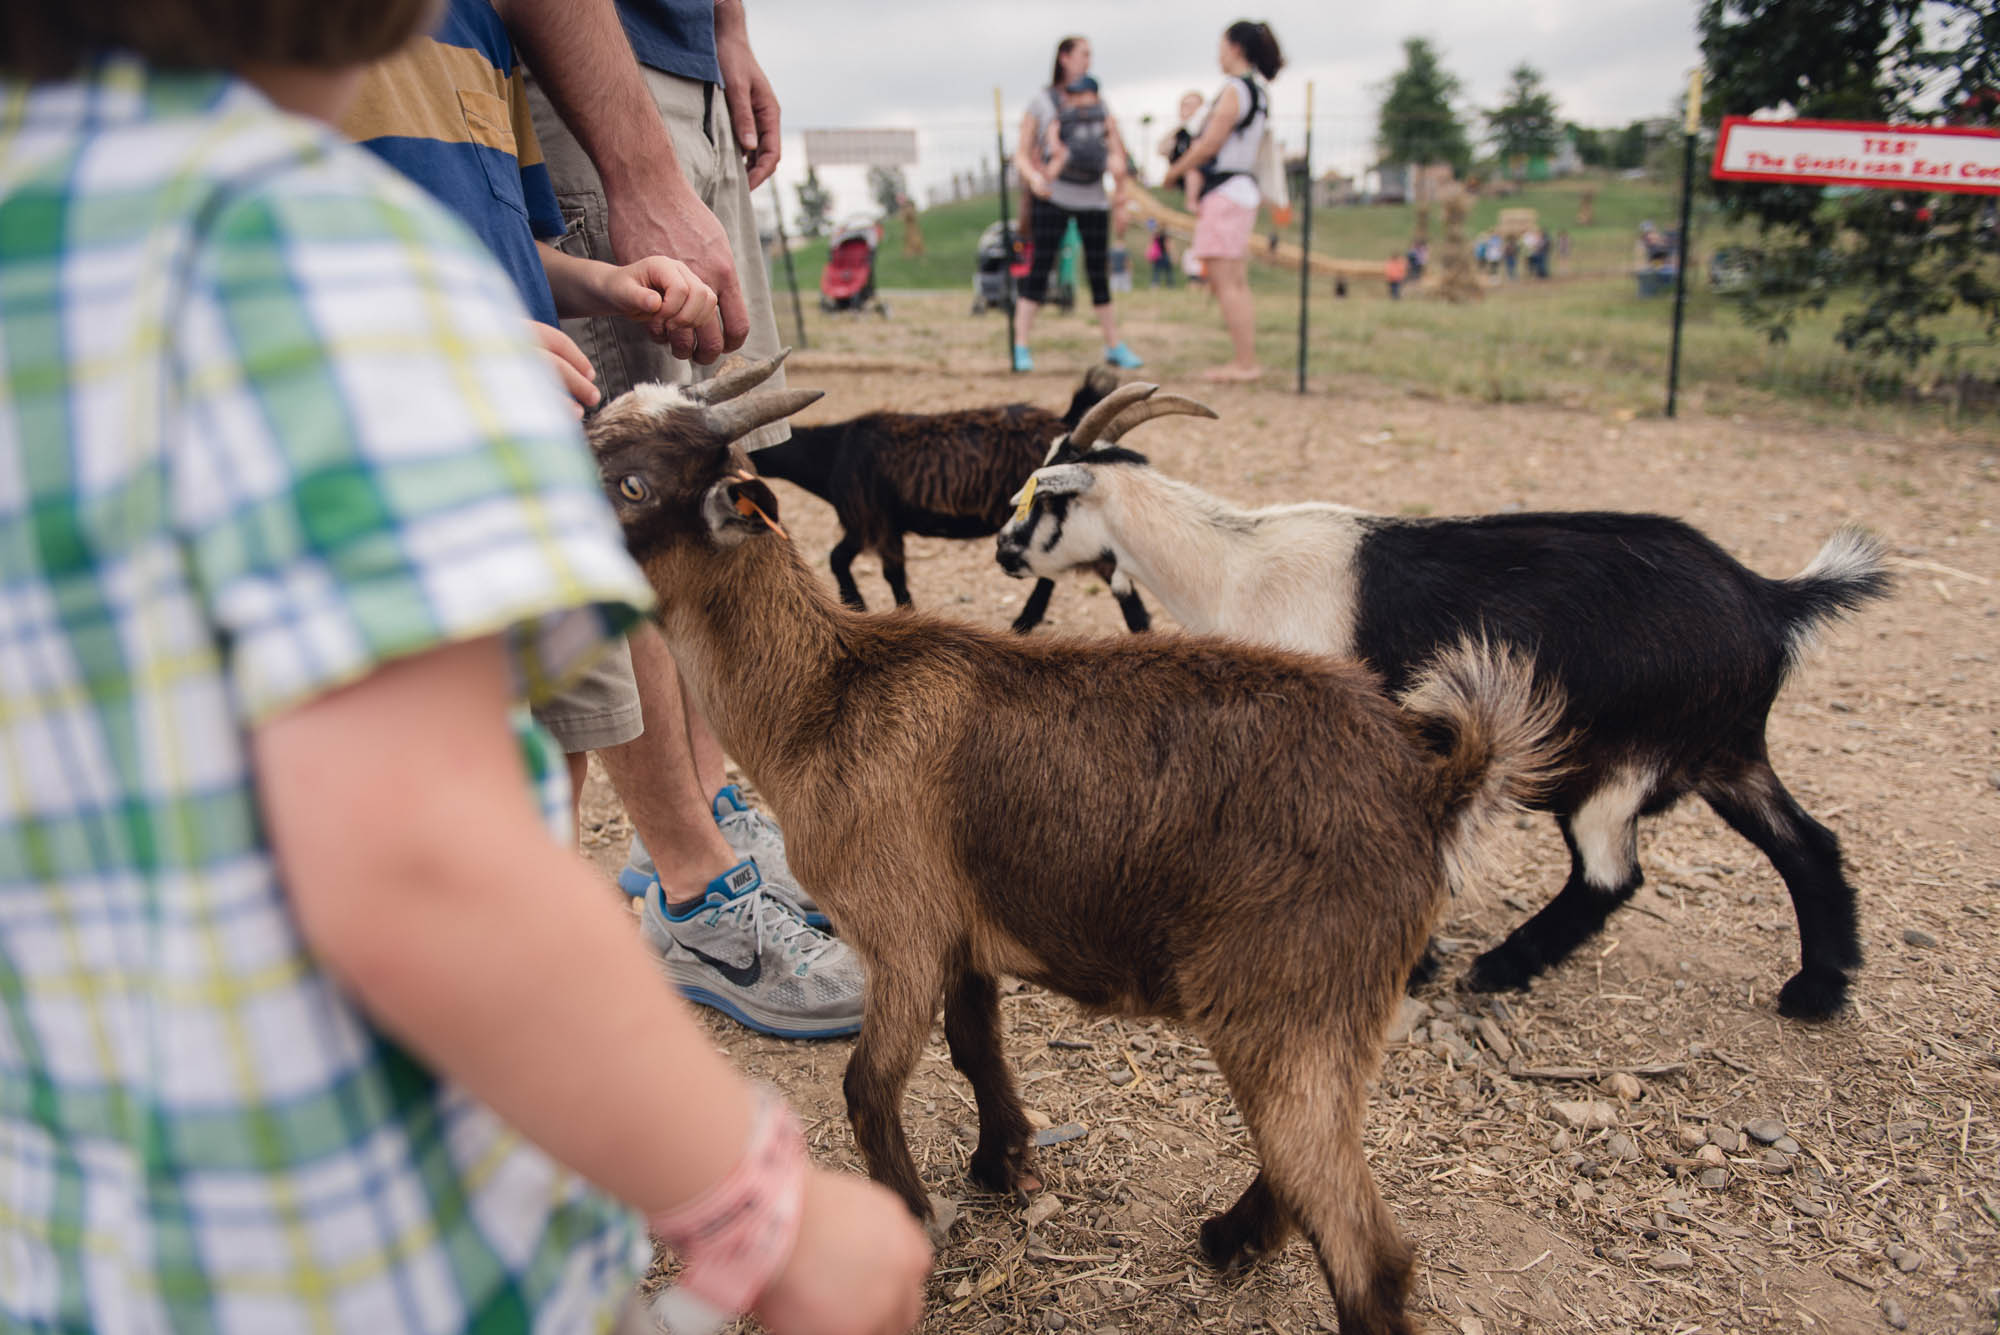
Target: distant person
{"points": [[1340, 286], [1073, 111], [1225, 152], [1396, 269], [913, 229], [1179, 139], [1510, 254], [1562, 244], [1159, 255]]}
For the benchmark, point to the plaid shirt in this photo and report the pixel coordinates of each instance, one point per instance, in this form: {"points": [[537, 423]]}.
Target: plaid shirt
{"points": [[268, 419]]}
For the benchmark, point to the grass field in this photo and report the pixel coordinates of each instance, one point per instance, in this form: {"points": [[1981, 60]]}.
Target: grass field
{"points": [[1585, 338]]}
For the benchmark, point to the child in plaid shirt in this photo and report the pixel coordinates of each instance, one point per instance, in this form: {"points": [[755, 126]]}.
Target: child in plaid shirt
{"points": [[286, 489]]}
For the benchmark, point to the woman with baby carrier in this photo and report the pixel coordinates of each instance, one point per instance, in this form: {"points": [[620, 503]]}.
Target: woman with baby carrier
{"points": [[1225, 153], [1068, 141]]}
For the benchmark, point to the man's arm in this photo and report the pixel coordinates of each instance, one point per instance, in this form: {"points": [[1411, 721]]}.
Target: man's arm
{"points": [[579, 55], [753, 107]]}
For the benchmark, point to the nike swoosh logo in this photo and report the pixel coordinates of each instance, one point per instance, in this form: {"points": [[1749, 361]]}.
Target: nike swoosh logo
{"points": [[744, 976]]}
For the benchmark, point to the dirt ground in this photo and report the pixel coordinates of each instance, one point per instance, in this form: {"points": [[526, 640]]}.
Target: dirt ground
{"points": [[1878, 1206]]}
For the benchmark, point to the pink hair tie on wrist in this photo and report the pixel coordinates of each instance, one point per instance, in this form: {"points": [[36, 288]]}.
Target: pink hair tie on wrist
{"points": [[734, 1238]]}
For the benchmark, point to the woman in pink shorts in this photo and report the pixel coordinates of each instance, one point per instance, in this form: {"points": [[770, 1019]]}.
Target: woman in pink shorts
{"points": [[1225, 155]]}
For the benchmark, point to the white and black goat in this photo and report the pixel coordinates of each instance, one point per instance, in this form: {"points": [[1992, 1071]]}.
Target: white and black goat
{"points": [[967, 803], [938, 475], [1667, 651]]}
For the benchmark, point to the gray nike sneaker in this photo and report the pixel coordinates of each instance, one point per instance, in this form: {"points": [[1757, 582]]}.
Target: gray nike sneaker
{"points": [[749, 955], [753, 835]]}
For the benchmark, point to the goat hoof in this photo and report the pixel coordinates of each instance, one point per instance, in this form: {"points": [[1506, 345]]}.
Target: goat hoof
{"points": [[1498, 970], [1423, 971], [1005, 1173], [1813, 996], [1225, 1245]]}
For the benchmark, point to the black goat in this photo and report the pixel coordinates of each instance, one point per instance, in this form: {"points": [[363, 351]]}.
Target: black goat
{"points": [[938, 475], [1667, 650]]}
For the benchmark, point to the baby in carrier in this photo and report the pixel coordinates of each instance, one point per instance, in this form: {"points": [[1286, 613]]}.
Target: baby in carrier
{"points": [[1075, 145]]}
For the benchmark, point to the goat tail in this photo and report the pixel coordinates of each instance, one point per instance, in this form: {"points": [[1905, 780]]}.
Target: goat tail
{"points": [[1851, 569], [1496, 734]]}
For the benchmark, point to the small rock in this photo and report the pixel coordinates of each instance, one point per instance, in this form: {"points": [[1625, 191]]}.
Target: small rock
{"points": [[1054, 1321], [1692, 1137], [1559, 1141], [1725, 1139], [1775, 1161], [1471, 1325], [1672, 1258], [1038, 1119], [944, 1213], [1496, 1041], [1623, 1148], [1120, 1076], [1582, 1193], [1909, 1261], [1045, 1208], [1056, 1135], [1714, 1178], [1914, 937], [992, 1325], [1621, 1085], [1712, 1155], [1585, 1114], [1765, 1130], [1785, 1145], [1892, 1312], [1808, 1207]]}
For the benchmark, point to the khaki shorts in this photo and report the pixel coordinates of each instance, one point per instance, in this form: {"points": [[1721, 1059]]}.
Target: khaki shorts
{"points": [[601, 709], [698, 119]]}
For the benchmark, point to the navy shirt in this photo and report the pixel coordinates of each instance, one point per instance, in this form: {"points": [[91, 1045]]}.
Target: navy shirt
{"points": [[673, 36]]}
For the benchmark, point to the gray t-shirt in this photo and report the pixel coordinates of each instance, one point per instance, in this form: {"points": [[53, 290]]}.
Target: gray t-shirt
{"points": [[1076, 196]]}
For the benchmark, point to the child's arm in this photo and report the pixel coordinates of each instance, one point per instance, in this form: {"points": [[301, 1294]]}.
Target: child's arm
{"points": [[662, 292], [1055, 153], [422, 879]]}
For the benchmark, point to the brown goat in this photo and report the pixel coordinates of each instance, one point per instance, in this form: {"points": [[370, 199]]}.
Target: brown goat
{"points": [[1251, 842]]}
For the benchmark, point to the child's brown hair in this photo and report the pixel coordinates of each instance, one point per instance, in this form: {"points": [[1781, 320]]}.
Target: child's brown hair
{"points": [[52, 41]]}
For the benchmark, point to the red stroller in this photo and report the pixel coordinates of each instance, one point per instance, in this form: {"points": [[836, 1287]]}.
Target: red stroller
{"points": [[848, 281]]}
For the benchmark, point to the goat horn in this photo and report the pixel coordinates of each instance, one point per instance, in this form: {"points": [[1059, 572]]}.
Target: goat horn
{"points": [[735, 377], [737, 418], [1105, 409], [1163, 405]]}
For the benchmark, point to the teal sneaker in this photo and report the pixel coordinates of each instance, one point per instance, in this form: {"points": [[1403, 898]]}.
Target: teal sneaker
{"points": [[749, 956], [1023, 359], [1123, 356]]}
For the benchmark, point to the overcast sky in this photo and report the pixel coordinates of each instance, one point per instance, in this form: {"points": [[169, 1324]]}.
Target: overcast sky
{"points": [[933, 64]]}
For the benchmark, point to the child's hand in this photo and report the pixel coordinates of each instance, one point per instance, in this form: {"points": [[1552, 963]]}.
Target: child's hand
{"points": [[857, 1268], [570, 363], [665, 294]]}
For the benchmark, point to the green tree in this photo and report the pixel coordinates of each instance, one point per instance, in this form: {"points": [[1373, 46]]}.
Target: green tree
{"points": [[887, 187], [815, 205], [1417, 123], [1525, 125], [1910, 256]]}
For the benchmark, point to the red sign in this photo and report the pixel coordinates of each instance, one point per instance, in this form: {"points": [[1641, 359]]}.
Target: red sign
{"points": [[1881, 157]]}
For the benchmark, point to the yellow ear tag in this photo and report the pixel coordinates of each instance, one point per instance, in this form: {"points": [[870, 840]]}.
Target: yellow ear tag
{"points": [[1027, 500]]}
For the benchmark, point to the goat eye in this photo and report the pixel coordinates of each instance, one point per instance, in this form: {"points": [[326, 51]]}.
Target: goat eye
{"points": [[632, 489]]}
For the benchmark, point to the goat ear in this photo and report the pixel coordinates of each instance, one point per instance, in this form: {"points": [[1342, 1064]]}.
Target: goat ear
{"points": [[1064, 480], [741, 506]]}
